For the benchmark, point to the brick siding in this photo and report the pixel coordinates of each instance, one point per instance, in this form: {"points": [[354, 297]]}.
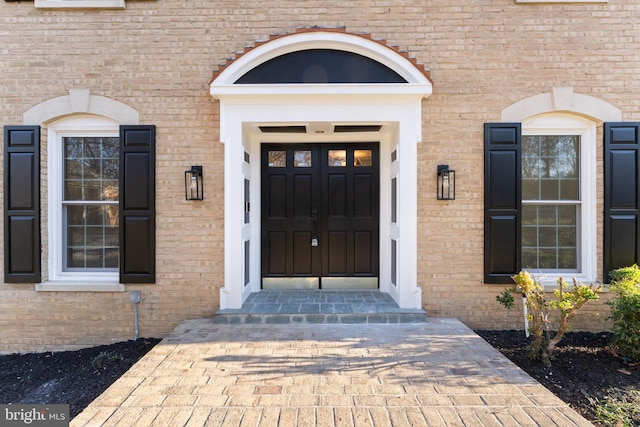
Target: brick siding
{"points": [[158, 57]]}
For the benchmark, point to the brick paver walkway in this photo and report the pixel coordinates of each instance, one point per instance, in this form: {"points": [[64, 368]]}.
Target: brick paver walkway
{"points": [[437, 373]]}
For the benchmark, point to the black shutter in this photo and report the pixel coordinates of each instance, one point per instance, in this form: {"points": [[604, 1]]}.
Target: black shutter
{"points": [[137, 204], [502, 201], [22, 204], [621, 186]]}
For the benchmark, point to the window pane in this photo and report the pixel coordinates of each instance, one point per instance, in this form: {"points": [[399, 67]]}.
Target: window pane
{"points": [[302, 159], [75, 215], [530, 189], [110, 190], [110, 168], [277, 159], [567, 215], [92, 236], [547, 258], [110, 148], [529, 236], [362, 158], [549, 236], [529, 215], [337, 158], [546, 215], [94, 215], [111, 258], [111, 237], [73, 169], [567, 236], [549, 189], [92, 189], [529, 258], [569, 189], [94, 258], [75, 258], [89, 161], [567, 258], [553, 161], [75, 236]]}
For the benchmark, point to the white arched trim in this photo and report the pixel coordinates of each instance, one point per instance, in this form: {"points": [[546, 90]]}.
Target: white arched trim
{"points": [[80, 101], [562, 99], [417, 81], [396, 107]]}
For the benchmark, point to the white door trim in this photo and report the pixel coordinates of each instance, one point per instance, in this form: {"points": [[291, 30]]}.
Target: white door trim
{"points": [[397, 107]]}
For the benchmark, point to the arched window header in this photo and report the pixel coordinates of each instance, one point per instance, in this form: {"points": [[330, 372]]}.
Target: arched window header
{"points": [[333, 56], [562, 99], [80, 101]]}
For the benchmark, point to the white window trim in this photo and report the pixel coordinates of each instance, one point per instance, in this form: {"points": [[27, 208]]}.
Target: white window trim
{"points": [[567, 124], [80, 125], [79, 4]]}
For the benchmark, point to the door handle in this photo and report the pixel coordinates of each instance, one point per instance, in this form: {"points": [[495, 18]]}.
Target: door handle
{"points": [[314, 239]]}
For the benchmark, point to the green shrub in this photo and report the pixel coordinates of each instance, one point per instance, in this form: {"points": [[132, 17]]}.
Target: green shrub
{"points": [[567, 302], [625, 312]]}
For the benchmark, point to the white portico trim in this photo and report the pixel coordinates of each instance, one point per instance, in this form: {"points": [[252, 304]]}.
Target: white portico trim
{"points": [[396, 107]]}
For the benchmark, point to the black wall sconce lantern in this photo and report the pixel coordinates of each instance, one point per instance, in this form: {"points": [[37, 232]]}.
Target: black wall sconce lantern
{"points": [[446, 183], [193, 183]]}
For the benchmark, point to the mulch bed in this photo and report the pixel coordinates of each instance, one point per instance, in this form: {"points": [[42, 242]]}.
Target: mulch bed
{"points": [[68, 377], [583, 369]]}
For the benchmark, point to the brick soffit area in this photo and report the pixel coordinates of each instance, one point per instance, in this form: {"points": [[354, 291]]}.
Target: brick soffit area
{"points": [[419, 66]]}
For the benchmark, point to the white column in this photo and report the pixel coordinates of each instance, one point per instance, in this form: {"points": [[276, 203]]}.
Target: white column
{"points": [[231, 135]]}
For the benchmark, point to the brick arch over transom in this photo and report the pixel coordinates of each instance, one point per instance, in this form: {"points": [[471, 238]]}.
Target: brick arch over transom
{"points": [[393, 108], [327, 38]]}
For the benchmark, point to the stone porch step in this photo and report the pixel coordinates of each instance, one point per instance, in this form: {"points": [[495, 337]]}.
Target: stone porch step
{"points": [[320, 307]]}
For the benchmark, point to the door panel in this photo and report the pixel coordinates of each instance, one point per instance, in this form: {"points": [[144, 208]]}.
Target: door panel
{"points": [[289, 199], [320, 215], [363, 201], [350, 196], [362, 252], [277, 241], [336, 253], [303, 253], [302, 196]]}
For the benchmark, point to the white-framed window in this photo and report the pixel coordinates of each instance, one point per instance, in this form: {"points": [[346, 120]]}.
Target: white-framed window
{"points": [[79, 4], [558, 197], [83, 177]]}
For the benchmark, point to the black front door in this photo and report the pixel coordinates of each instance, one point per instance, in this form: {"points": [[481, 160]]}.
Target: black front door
{"points": [[320, 215]]}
